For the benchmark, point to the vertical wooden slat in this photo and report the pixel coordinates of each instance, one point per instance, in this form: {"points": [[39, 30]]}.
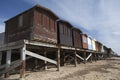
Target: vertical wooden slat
{"points": [[58, 59], [23, 57], [8, 61]]}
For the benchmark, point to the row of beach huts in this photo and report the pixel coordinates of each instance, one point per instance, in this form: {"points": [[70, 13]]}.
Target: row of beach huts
{"points": [[37, 37]]}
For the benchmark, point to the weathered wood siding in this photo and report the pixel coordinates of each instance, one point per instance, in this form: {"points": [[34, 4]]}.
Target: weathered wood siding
{"points": [[65, 33], [77, 39], [19, 27], [84, 41], [37, 23], [45, 26]]}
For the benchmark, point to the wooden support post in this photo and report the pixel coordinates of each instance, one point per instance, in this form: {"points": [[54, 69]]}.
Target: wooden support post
{"points": [[58, 59], [45, 54], [63, 58], [0, 58], [95, 57], [91, 57], [8, 61], [23, 58], [36, 64], [102, 56], [84, 57], [75, 53]]}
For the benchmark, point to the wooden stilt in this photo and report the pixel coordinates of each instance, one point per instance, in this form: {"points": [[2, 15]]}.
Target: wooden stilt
{"points": [[75, 53], [64, 59], [36, 63], [45, 54], [8, 61], [84, 57], [0, 57], [58, 59], [95, 57], [91, 57], [23, 58]]}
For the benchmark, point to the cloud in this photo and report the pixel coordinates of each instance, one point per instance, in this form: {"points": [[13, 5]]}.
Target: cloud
{"points": [[116, 33], [2, 25]]}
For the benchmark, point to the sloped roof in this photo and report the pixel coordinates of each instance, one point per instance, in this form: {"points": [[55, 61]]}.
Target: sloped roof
{"points": [[34, 7]]}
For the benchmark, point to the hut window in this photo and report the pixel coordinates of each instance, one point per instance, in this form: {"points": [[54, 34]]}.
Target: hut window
{"points": [[20, 21]]}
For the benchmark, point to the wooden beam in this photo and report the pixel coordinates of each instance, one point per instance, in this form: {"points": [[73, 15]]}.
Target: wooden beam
{"points": [[40, 57], [8, 61], [12, 45], [14, 64], [66, 47], [10, 68], [50, 45], [40, 44], [89, 56], [58, 59], [99, 57], [84, 57], [75, 59], [23, 60], [95, 57], [72, 58], [80, 57]]}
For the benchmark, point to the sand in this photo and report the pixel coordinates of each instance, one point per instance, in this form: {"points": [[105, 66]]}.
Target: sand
{"points": [[100, 70]]}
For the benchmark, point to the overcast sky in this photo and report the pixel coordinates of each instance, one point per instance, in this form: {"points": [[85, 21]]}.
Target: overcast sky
{"points": [[100, 19]]}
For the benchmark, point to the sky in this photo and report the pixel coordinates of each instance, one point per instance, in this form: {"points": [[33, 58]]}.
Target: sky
{"points": [[100, 19]]}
